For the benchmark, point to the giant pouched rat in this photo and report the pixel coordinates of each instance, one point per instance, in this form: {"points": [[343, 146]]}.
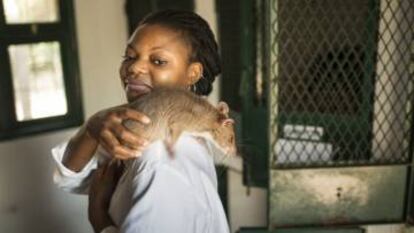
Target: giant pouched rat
{"points": [[174, 111]]}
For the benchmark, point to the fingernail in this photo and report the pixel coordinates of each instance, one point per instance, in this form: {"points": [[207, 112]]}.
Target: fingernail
{"points": [[146, 120], [137, 154]]}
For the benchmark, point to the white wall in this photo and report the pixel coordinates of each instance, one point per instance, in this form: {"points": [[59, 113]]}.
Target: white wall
{"points": [[102, 33], [29, 202]]}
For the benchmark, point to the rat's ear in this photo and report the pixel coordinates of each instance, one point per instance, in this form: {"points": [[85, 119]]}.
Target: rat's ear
{"points": [[223, 108], [227, 121]]}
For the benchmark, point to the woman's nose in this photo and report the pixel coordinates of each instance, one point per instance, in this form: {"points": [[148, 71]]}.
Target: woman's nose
{"points": [[139, 66]]}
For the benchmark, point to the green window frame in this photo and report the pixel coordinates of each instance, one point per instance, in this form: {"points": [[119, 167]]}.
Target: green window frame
{"points": [[244, 54], [64, 33]]}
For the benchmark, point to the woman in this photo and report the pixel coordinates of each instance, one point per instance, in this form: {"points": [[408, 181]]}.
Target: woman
{"points": [[155, 194]]}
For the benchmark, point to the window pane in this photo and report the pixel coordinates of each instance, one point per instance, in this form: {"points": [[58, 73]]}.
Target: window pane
{"points": [[31, 11], [37, 80]]}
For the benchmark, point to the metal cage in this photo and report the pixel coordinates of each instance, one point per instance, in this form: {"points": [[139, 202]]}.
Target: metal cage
{"points": [[341, 84], [340, 106]]}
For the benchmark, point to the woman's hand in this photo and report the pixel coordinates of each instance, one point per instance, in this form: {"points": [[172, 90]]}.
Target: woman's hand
{"points": [[102, 187], [107, 129]]}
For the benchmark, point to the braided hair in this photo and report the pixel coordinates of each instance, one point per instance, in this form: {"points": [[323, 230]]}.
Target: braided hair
{"points": [[203, 45]]}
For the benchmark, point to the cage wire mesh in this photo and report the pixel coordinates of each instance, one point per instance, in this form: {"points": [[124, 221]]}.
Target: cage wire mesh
{"points": [[341, 82]]}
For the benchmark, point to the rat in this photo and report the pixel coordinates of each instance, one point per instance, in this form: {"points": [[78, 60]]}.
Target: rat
{"points": [[173, 111]]}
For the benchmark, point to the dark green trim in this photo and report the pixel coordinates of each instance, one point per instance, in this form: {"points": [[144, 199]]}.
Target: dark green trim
{"points": [[229, 31], [25, 30], [255, 121], [2, 17], [6, 94]]}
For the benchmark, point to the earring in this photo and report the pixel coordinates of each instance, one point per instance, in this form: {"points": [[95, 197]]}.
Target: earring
{"points": [[194, 88]]}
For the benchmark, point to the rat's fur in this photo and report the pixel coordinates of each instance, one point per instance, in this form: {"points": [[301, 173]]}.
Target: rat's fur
{"points": [[173, 111]]}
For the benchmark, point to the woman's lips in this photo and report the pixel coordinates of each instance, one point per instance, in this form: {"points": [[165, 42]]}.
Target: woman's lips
{"points": [[137, 88]]}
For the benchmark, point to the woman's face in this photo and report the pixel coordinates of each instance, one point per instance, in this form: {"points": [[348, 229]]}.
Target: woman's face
{"points": [[157, 56]]}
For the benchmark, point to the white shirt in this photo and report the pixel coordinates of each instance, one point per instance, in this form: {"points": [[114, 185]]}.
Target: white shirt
{"points": [[159, 192]]}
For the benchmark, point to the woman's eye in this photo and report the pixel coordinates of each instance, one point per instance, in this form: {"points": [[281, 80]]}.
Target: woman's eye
{"points": [[159, 62], [127, 58]]}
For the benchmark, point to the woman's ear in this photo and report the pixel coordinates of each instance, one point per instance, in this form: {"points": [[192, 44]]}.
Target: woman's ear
{"points": [[195, 73]]}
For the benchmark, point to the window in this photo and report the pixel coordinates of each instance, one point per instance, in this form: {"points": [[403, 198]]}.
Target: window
{"points": [[39, 72]]}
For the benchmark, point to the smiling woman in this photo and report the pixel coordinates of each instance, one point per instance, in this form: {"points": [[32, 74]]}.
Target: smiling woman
{"points": [[39, 88], [168, 49], [157, 56]]}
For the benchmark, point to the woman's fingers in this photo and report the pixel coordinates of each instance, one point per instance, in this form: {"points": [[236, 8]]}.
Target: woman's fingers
{"points": [[128, 113], [120, 152], [111, 144], [127, 138], [109, 139], [107, 128], [125, 153]]}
